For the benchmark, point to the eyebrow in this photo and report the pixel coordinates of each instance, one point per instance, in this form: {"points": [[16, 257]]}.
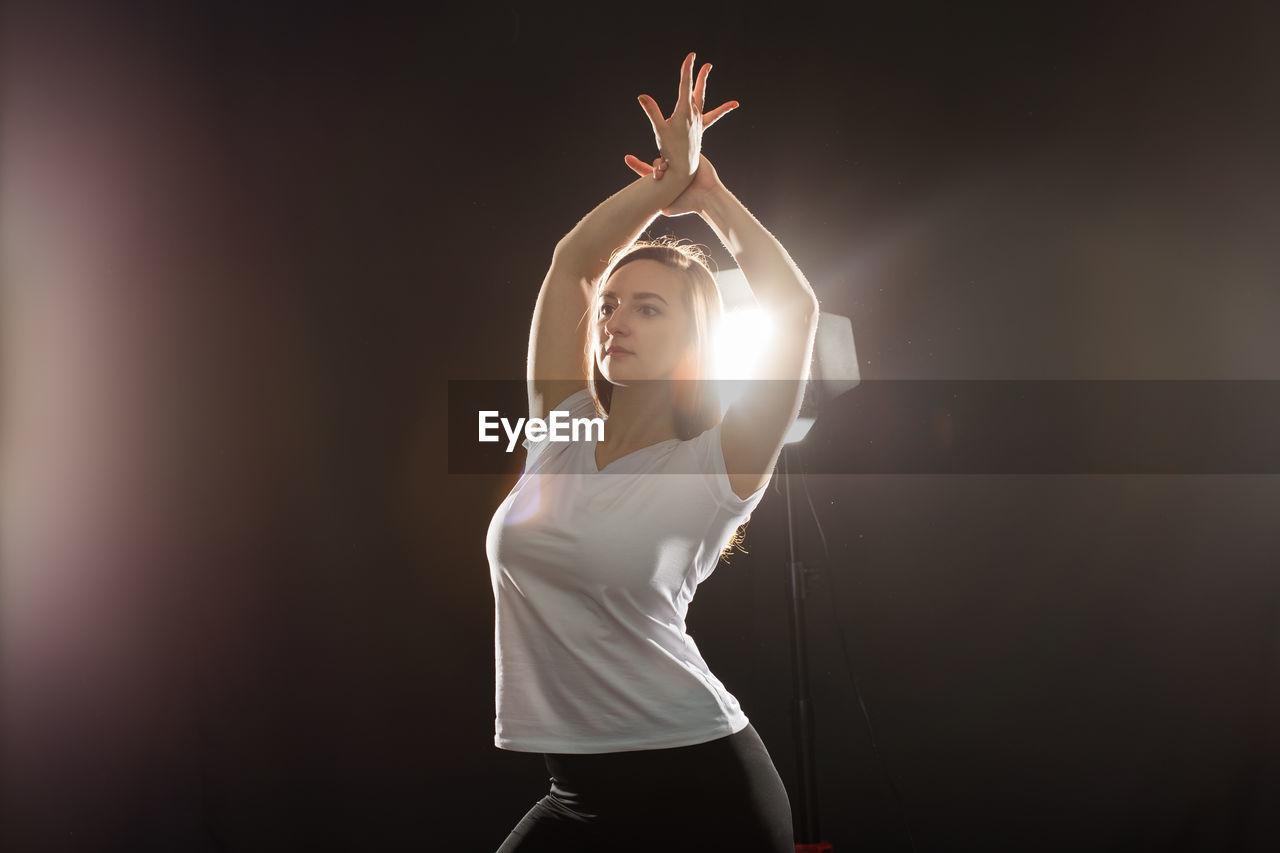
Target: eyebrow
{"points": [[636, 295]]}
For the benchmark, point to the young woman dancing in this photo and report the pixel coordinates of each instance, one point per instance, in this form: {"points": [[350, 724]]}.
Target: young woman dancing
{"points": [[593, 570]]}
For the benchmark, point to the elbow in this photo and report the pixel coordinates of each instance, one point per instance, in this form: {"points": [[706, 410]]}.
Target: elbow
{"points": [[805, 309], [558, 253], [813, 308], [561, 251], [570, 248], [806, 314], [794, 312], [568, 257], [800, 303]]}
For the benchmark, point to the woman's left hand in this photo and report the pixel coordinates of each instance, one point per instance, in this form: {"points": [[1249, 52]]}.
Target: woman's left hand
{"points": [[695, 100], [693, 199]]}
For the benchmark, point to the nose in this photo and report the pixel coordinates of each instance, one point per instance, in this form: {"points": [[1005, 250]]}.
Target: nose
{"points": [[613, 326]]}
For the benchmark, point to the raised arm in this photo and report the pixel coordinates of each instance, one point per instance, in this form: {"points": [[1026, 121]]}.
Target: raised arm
{"points": [[558, 362], [757, 421]]}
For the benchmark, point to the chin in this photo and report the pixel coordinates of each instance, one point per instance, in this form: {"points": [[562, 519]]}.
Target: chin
{"points": [[623, 377]]}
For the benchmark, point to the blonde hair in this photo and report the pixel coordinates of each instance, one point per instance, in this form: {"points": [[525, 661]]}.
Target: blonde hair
{"points": [[696, 396]]}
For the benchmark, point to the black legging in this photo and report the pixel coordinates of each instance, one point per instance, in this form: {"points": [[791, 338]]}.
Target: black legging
{"points": [[724, 794]]}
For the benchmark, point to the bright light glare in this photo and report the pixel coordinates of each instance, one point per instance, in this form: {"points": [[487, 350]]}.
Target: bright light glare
{"points": [[743, 336]]}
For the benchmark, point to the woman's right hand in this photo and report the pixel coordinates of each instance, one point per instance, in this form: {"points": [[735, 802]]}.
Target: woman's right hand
{"points": [[705, 184], [679, 137]]}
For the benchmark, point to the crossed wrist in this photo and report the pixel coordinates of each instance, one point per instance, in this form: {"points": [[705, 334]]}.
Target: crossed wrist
{"points": [[714, 201]]}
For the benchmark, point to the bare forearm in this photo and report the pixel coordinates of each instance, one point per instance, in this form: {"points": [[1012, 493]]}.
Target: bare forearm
{"points": [[775, 280], [619, 221]]}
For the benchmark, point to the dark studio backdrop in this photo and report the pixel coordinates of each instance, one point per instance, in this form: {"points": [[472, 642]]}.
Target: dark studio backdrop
{"points": [[245, 604]]}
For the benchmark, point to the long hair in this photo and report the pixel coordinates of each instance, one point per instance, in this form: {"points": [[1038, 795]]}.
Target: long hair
{"points": [[694, 391]]}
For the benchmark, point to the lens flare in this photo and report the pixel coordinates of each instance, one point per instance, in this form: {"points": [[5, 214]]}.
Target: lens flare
{"points": [[743, 336]]}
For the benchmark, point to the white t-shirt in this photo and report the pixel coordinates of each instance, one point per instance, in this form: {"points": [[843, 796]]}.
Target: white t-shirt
{"points": [[593, 571]]}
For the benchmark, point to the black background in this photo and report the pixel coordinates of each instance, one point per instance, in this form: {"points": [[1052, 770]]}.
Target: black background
{"points": [[248, 247]]}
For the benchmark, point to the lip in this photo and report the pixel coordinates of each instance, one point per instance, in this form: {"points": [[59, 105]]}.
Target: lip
{"points": [[615, 351]]}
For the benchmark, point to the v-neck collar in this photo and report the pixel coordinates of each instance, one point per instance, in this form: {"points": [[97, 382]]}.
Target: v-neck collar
{"points": [[595, 465]]}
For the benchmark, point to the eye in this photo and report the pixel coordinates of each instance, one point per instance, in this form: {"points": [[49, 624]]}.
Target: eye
{"points": [[649, 309]]}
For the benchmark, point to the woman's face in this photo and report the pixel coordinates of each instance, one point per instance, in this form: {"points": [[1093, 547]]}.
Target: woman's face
{"points": [[640, 310]]}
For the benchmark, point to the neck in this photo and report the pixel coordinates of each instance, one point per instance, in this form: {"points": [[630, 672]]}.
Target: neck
{"points": [[640, 415]]}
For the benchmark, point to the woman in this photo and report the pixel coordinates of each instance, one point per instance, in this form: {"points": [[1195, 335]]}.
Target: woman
{"points": [[593, 572]]}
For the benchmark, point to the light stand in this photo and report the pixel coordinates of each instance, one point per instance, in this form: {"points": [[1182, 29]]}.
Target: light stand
{"points": [[835, 371]]}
